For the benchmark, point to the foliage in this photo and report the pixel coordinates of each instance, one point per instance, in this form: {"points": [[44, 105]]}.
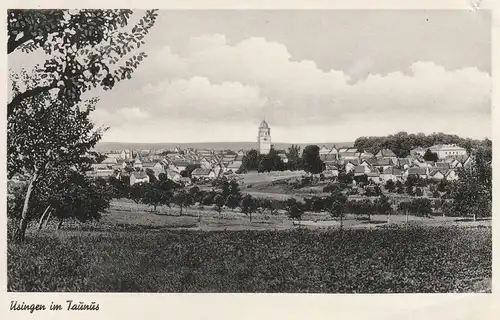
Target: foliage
{"points": [[311, 160], [472, 193], [401, 143], [86, 49], [430, 156]]}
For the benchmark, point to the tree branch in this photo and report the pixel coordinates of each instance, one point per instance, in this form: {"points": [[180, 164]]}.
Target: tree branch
{"points": [[13, 44], [16, 101]]}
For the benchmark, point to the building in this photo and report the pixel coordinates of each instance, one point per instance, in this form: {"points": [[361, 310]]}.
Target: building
{"points": [[138, 177], [445, 150], [264, 138], [418, 152], [387, 154], [391, 173], [203, 174]]}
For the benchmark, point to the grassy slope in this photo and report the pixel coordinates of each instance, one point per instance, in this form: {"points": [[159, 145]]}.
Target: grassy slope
{"points": [[440, 259]]}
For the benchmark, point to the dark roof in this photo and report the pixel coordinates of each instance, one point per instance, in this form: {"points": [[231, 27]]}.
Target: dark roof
{"points": [[383, 162], [386, 153], [393, 171], [201, 172], [359, 169], [139, 174], [419, 171]]}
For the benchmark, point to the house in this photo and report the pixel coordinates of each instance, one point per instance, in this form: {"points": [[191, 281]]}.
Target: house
{"points": [[374, 176], [383, 163], [404, 163], [324, 150], [366, 155], [442, 165], [328, 158], [200, 173], [445, 150], [360, 170], [109, 160], [138, 177], [234, 166], [348, 153], [451, 175], [420, 172], [391, 173], [157, 167], [386, 154], [173, 175], [137, 162], [334, 170], [205, 164], [350, 164], [418, 151], [364, 162], [283, 157], [180, 165], [436, 174]]}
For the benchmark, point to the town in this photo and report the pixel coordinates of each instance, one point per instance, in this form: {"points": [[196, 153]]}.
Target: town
{"points": [[188, 165]]}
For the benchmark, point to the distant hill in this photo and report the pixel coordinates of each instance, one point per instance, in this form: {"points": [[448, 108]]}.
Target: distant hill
{"points": [[105, 146]]}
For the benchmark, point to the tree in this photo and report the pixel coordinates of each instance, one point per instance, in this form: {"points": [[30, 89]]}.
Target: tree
{"points": [[335, 205], [294, 158], [152, 195], [390, 186], [294, 209], [80, 197], [472, 193], [248, 205], [182, 199], [419, 192], [84, 49], [136, 192], [219, 201], [383, 206], [311, 160], [45, 135], [430, 156], [250, 161], [232, 201]]}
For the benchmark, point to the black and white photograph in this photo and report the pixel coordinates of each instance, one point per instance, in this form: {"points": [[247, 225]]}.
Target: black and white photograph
{"points": [[248, 151]]}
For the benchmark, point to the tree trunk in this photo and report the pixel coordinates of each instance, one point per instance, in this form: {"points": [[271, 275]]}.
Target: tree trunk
{"points": [[406, 214], [181, 210], [388, 219], [23, 224], [475, 217], [60, 224], [40, 223], [48, 218], [341, 220]]}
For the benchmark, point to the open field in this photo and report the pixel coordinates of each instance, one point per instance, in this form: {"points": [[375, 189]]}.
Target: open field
{"points": [[139, 259], [125, 212]]}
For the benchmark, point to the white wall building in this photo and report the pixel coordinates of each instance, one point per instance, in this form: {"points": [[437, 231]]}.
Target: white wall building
{"points": [[264, 138]]}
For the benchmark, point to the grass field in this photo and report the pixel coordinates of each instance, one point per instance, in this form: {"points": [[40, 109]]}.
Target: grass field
{"points": [[139, 259], [133, 249]]}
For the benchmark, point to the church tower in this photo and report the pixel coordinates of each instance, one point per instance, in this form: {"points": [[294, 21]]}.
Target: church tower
{"points": [[264, 138]]}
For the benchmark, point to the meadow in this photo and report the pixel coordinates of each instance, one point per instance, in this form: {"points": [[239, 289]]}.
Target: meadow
{"points": [[140, 258]]}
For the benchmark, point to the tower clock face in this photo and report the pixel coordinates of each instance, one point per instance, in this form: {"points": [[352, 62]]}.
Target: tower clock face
{"points": [[265, 139]]}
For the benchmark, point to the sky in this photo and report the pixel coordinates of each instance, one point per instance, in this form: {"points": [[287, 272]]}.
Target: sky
{"points": [[314, 76]]}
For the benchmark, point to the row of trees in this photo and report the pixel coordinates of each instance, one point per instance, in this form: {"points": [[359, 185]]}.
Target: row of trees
{"points": [[309, 160], [401, 143]]}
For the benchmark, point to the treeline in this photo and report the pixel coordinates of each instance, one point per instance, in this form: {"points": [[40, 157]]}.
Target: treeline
{"points": [[401, 143], [309, 160]]}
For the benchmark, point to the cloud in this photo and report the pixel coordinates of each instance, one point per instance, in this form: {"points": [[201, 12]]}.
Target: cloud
{"points": [[215, 80]]}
